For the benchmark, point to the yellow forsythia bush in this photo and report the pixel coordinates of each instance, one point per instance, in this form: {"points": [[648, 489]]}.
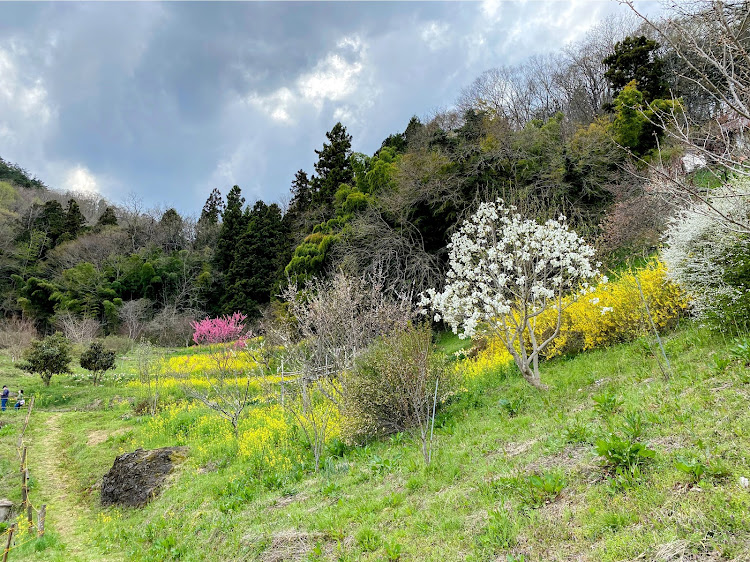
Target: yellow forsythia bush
{"points": [[612, 312]]}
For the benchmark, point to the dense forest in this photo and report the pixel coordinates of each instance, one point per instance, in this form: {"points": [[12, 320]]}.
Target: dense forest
{"points": [[573, 132]]}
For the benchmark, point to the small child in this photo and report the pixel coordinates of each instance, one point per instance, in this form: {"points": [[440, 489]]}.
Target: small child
{"points": [[20, 401], [4, 398]]}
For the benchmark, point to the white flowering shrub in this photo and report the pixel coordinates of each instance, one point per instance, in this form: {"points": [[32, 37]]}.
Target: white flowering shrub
{"points": [[504, 271], [709, 255]]}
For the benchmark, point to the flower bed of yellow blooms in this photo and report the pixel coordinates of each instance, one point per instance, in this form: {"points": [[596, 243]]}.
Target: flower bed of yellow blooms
{"points": [[613, 312]]}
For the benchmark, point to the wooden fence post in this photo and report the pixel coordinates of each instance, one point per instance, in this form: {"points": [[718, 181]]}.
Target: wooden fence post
{"points": [[40, 521], [7, 544]]}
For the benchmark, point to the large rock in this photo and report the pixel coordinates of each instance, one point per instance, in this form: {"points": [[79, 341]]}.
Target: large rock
{"points": [[135, 478], [6, 506]]}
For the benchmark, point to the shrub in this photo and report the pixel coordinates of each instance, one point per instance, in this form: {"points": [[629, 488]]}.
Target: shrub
{"points": [[97, 360], [49, 356], [708, 252], [606, 403], [612, 312], [396, 386]]}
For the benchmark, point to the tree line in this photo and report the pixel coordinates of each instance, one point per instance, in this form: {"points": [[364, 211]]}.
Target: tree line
{"points": [[572, 133]]}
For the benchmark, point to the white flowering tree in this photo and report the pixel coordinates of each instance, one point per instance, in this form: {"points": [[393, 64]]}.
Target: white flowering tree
{"points": [[504, 272]]}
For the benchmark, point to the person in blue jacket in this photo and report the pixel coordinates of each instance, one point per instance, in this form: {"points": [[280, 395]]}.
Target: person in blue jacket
{"points": [[4, 398]]}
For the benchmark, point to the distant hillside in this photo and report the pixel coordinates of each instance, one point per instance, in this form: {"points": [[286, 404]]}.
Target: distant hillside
{"points": [[18, 176]]}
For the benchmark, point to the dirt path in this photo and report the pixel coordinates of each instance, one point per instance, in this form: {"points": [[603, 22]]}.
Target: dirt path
{"points": [[66, 516]]}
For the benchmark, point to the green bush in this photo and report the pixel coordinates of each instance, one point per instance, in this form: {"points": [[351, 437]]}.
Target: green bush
{"points": [[393, 386], [97, 360], [49, 356]]}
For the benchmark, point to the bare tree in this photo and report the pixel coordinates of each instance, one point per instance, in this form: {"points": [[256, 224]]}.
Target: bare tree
{"points": [[134, 316], [78, 329], [16, 334], [326, 324]]}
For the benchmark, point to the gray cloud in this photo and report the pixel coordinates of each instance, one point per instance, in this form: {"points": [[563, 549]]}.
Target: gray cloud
{"points": [[170, 100]]}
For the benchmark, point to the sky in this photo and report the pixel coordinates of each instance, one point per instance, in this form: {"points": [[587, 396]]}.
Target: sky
{"points": [[166, 101]]}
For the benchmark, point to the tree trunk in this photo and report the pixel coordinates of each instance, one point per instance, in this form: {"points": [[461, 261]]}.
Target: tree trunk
{"points": [[533, 378]]}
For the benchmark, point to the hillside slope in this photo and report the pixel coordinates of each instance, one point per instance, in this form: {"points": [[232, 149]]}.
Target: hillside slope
{"points": [[475, 501]]}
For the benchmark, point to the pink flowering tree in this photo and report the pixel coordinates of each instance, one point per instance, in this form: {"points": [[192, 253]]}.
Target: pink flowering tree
{"points": [[224, 329], [225, 385]]}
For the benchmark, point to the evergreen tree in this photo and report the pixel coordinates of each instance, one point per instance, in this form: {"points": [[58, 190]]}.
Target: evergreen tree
{"points": [[207, 229], [256, 262], [301, 193], [232, 227], [333, 168], [635, 58], [74, 220], [213, 208], [107, 218]]}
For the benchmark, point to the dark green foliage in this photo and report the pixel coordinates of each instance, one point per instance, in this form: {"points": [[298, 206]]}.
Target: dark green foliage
{"points": [[97, 360], [257, 261], [332, 168], [623, 454], [635, 58], [74, 220], [35, 297], [48, 356], [107, 218], [18, 176], [233, 226]]}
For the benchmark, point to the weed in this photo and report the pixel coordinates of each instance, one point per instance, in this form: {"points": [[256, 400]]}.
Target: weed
{"points": [[577, 431], [721, 363], [511, 407], [500, 532], [368, 539], [379, 465], [393, 550], [697, 469], [621, 453], [540, 489], [606, 403], [741, 350], [633, 425]]}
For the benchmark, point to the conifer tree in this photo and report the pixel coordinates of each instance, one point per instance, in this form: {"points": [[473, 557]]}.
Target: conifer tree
{"points": [[257, 261], [333, 168], [107, 218], [232, 227]]}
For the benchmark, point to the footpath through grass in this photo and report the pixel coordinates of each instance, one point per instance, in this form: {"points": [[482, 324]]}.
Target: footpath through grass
{"points": [[516, 474]]}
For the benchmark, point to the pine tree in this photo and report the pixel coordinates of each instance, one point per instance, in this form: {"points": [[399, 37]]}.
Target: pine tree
{"points": [[333, 168], [213, 208], [74, 220]]}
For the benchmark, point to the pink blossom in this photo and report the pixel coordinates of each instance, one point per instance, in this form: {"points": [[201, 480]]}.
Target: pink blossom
{"points": [[224, 329]]}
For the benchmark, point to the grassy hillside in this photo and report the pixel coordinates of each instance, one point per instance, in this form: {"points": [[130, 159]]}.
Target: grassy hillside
{"points": [[516, 475]]}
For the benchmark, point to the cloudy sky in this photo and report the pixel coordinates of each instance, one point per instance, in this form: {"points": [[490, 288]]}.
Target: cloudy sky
{"points": [[169, 100]]}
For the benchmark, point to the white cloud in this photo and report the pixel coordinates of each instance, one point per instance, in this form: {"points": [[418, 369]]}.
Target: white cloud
{"points": [[333, 78], [25, 110], [337, 77], [80, 179], [436, 35]]}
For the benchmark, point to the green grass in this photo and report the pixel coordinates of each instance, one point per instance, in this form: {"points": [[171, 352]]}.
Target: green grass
{"points": [[526, 485]]}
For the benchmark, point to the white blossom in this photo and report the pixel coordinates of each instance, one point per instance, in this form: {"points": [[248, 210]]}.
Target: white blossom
{"points": [[503, 265]]}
